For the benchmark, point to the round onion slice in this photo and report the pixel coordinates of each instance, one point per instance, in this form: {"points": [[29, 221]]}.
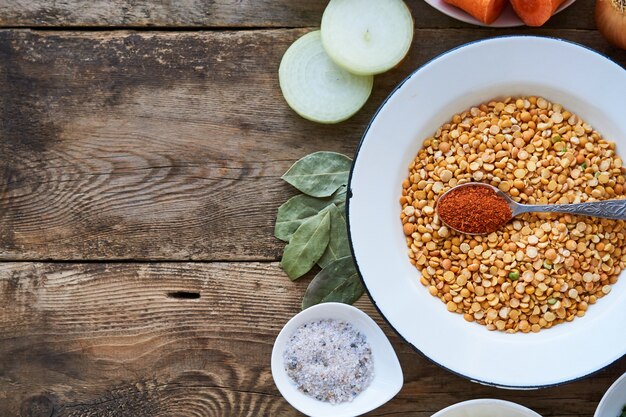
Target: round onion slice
{"points": [[367, 36], [315, 87]]}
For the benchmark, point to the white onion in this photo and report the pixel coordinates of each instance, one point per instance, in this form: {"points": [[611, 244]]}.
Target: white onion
{"points": [[367, 36], [315, 87]]}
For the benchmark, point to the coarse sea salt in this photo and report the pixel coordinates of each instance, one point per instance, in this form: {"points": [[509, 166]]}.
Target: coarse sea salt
{"points": [[329, 360]]}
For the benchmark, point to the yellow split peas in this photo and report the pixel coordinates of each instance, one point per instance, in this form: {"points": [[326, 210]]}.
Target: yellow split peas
{"points": [[540, 269]]}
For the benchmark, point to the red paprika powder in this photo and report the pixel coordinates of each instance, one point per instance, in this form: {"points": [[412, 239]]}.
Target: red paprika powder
{"points": [[474, 209]]}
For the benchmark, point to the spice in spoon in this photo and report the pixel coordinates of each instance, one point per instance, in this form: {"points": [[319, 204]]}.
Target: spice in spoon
{"points": [[474, 209]]}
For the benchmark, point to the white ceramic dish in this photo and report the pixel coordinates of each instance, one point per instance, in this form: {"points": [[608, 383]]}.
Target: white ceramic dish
{"points": [[614, 399], [457, 80], [508, 18], [486, 407], [387, 380]]}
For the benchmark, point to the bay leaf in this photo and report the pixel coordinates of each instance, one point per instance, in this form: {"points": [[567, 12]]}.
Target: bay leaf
{"points": [[294, 212], [319, 174], [299, 208], [339, 282], [339, 196], [307, 245], [338, 245]]}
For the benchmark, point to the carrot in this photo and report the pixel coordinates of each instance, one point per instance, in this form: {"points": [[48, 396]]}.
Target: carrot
{"points": [[484, 10], [535, 12]]}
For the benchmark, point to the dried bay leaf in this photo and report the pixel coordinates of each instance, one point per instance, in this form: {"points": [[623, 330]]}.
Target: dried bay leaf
{"points": [[307, 245], [315, 226], [339, 281], [338, 246], [294, 212], [339, 197], [299, 208], [319, 174]]}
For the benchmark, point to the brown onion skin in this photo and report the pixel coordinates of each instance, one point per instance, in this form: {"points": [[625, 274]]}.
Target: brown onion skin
{"points": [[611, 22]]}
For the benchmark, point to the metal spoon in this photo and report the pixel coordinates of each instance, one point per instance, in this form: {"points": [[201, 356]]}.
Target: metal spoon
{"points": [[608, 209]]}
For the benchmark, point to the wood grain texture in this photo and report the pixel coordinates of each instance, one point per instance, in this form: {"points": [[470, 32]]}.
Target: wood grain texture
{"points": [[147, 145], [222, 13], [111, 339], [162, 145]]}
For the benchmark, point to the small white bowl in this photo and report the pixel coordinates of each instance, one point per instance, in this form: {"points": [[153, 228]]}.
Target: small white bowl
{"points": [[486, 407], [614, 399], [387, 380]]}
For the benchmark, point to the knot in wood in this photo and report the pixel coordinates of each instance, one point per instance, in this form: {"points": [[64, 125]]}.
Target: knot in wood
{"points": [[37, 406]]}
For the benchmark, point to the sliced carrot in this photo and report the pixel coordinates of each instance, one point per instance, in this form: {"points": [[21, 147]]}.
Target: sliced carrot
{"points": [[484, 10], [535, 12]]}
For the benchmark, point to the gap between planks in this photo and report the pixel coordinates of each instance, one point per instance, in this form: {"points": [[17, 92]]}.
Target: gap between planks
{"points": [[68, 28], [546, 31], [141, 261]]}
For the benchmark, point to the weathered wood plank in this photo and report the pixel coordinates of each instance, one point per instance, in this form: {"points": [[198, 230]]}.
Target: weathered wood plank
{"points": [[194, 13], [126, 145], [222, 13], [109, 339]]}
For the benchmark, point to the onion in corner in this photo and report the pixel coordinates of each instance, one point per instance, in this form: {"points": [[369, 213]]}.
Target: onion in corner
{"points": [[611, 21]]}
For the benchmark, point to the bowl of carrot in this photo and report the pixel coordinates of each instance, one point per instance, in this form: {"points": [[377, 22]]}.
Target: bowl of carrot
{"points": [[501, 13]]}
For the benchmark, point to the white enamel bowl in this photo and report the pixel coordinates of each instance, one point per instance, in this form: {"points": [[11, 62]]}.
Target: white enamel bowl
{"points": [[486, 407], [580, 79], [387, 380], [614, 400], [508, 18]]}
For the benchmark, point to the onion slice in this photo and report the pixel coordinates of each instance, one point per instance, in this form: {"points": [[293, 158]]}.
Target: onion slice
{"points": [[315, 87], [611, 21], [367, 36]]}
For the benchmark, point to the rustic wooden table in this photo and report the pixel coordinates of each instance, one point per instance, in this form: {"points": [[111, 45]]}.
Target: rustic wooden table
{"points": [[141, 149]]}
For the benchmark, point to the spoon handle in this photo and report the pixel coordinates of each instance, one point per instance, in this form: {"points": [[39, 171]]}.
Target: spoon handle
{"points": [[608, 209]]}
